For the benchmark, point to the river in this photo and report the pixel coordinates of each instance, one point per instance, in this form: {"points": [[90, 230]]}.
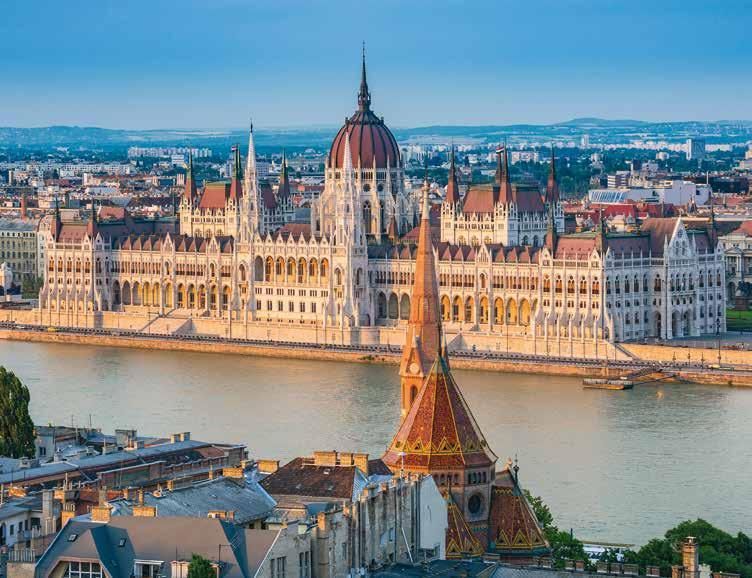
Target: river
{"points": [[614, 466]]}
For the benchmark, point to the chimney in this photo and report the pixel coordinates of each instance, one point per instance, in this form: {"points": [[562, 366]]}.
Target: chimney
{"points": [[691, 558], [69, 511], [48, 512], [361, 461], [325, 458], [267, 466], [100, 513]]}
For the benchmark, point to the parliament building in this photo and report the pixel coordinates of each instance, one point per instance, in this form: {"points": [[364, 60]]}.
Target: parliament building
{"points": [[507, 274]]}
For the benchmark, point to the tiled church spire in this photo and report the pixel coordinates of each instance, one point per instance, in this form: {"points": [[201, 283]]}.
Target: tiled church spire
{"points": [[423, 331]]}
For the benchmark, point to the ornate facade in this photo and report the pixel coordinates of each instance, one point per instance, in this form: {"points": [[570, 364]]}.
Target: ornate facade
{"points": [[503, 267]]}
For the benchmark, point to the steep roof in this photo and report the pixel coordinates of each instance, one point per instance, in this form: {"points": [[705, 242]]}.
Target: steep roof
{"points": [[424, 325], [513, 528], [214, 196], [164, 539], [439, 431], [482, 199], [460, 540]]}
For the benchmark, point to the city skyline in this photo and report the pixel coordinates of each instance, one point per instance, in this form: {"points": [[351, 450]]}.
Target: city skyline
{"points": [[215, 65]]}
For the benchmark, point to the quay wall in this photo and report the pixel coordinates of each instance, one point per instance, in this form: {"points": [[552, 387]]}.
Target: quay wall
{"points": [[727, 378]]}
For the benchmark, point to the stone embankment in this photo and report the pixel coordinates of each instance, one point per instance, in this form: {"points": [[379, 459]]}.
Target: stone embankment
{"points": [[731, 375]]}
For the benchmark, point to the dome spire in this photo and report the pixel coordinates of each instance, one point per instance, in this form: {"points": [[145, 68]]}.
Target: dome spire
{"points": [[364, 96]]}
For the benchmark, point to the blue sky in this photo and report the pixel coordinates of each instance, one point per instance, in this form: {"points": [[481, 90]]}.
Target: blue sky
{"points": [[213, 63]]}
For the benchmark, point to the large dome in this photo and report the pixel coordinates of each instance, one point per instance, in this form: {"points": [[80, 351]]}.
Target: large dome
{"points": [[370, 139]]}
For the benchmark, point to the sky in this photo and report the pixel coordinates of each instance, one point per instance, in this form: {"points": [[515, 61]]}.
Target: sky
{"points": [[147, 64]]}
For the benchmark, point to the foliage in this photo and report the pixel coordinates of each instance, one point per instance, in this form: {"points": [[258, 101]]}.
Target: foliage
{"points": [[541, 510], [564, 546], [720, 550], [200, 567], [30, 287], [16, 427]]}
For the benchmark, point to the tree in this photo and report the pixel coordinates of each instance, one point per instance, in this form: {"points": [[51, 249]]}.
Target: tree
{"points": [[30, 287], [200, 567], [722, 551], [16, 427]]}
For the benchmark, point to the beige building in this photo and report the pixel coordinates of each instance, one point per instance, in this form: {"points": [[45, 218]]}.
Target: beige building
{"points": [[506, 271], [18, 248]]}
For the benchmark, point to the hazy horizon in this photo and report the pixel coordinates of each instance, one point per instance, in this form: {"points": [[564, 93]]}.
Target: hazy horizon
{"points": [[296, 64]]}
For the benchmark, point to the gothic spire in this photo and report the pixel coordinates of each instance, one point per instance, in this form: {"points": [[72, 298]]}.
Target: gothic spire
{"points": [[364, 96], [452, 190], [552, 189], [190, 183], [600, 234], [284, 179], [347, 164], [250, 162], [237, 174], [502, 176]]}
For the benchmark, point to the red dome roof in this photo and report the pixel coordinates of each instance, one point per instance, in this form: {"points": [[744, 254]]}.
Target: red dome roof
{"points": [[369, 137]]}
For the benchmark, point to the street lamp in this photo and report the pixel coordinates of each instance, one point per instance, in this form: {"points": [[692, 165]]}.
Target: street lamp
{"points": [[718, 335]]}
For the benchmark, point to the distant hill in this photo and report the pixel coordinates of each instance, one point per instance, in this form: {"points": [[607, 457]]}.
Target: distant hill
{"points": [[605, 130]]}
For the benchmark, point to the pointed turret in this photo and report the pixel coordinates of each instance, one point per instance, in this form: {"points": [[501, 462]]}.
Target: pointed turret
{"points": [[392, 232], [600, 234], [551, 236], [251, 192], [713, 227], [452, 191], [552, 188], [423, 337], [57, 222], [250, 161], [283, 192], [236, 186], [91, 226], [364, 95], [503, 188], [190, 183]]}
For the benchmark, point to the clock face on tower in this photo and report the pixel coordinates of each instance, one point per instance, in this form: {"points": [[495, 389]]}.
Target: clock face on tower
{"points": [[414, 368]]}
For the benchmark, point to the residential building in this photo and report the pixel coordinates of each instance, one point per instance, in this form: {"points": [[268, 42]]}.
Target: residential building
{"points": [[18, 248]]}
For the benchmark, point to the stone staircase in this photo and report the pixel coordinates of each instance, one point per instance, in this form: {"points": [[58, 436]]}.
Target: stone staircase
{"points": [[168, 325]]}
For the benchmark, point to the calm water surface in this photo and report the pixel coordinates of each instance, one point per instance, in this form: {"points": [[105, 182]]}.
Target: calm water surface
{"points": [[614, 466]]}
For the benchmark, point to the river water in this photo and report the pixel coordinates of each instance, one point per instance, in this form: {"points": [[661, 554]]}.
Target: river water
{"points": [[614, 466]]}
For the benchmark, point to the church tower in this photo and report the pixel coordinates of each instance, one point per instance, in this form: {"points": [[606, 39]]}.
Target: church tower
{"points": [[423, 331]]}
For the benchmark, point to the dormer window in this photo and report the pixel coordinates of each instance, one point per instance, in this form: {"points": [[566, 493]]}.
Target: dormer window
{"points": [[83, 569], [146, 568]]}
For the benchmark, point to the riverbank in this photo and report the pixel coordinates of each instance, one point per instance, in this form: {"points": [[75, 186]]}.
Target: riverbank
{"points": [[460, 360]]}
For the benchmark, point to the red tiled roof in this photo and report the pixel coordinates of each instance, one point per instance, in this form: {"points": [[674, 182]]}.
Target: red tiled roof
{"points": [[744, 229], [482, 199], [294, 229], [460, 540], [298, 478], [439, 431], [267, 196], [214, 196], [659, 230], [574, 247], [513, 528]]}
